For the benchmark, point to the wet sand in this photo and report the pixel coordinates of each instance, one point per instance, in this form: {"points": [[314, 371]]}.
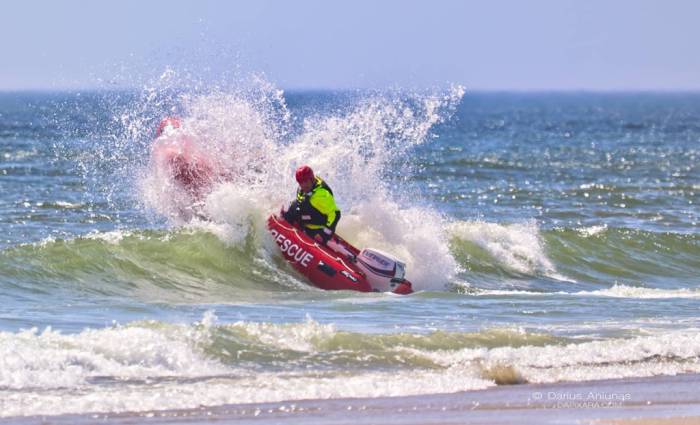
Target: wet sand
{"points": [[667, 400], [691, 420]]}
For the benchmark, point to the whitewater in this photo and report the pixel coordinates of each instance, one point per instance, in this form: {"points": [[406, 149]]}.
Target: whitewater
{"points": [[549, 237]]}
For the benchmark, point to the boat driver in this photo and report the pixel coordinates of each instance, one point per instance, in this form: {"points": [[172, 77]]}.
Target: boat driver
{"points": [[314, 207]]}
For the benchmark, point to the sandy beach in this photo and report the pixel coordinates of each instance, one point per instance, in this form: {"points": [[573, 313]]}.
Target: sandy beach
{"points": [[663, 400]]}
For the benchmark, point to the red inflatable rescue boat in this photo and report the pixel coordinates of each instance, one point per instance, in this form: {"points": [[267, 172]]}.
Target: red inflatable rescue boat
{"points": [[338, 265], [179, 154]]}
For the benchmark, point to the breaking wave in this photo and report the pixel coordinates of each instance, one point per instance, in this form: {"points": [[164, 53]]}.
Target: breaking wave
{"points": [[234, 259], [356, 147], [169, 366], [363, 145]]}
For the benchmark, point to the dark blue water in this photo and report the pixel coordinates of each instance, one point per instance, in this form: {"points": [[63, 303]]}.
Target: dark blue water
{"points": [[550, 236]]}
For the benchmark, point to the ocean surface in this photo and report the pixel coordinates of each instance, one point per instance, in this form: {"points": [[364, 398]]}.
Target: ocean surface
{"points": [[549, 236]]}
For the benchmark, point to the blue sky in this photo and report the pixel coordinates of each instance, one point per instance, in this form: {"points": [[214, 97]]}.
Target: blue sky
{"points": [[484, 45]]}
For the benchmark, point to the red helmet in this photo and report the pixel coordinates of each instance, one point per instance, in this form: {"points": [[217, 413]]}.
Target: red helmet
{"points": [[167, 122], [304, 173]]}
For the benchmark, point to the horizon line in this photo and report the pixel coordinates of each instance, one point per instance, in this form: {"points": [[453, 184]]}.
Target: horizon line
{"points": [[490, 90]]}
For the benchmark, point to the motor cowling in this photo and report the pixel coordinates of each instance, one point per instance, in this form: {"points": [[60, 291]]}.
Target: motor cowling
{"points": [[384, 273]]}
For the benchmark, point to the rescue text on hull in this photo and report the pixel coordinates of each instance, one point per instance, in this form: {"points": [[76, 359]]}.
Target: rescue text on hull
{"points": [[338, 265]]}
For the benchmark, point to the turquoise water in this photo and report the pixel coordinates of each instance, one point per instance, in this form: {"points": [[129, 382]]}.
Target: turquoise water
{"points": [[550, 237]]}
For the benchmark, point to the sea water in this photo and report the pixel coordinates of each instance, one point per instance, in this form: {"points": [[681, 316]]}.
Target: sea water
{"points": [[549, 237]]}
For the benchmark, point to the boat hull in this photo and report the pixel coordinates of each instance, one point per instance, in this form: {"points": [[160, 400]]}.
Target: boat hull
{"points": [[324, 267]]}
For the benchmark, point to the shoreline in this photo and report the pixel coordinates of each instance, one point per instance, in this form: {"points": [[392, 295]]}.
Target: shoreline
{"points": [[670, 400]]}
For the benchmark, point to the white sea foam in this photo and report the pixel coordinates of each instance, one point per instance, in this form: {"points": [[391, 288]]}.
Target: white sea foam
{"points": [[156, 366], [414, 235], [51, 360], [592, 230], [351, 151], [240, 131], [68, 205], [624, 291], [297, 337], [615, 291], [113, 237], [233, 216], [263, 387], [668, 353], [517, 246]]}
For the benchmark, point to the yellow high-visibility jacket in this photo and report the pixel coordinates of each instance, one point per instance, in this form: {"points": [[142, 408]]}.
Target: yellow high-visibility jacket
{"points": [[317, 207]]}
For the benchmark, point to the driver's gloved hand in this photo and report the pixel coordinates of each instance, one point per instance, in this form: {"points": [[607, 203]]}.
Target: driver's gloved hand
{"points": [[292, 213], [327, 234]]}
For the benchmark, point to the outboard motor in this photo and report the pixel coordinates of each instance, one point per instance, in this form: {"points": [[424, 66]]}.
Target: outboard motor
{"points": [[384, 273]]}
